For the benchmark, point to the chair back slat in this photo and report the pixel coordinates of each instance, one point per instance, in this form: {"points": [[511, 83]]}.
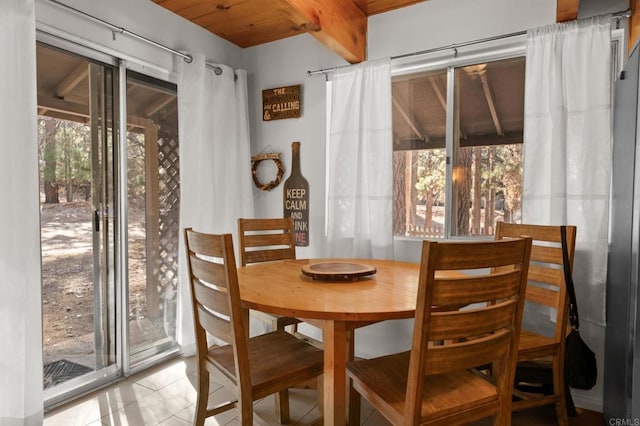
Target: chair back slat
{"points": [[472, 322], [214, 299], [542, 296], [257, 256], [474, 255], [207, 271], [484, 350], [475, 289], [268, 224], [548, 233], [218, 327], [265, 240], [547, 254], [205, 246], [546, 275]]}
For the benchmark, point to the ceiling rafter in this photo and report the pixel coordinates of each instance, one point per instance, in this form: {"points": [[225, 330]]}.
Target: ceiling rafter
{"points": [[443, 102], [422, 135], [75, 77], [492, 105], [338, 24], [158, 104]]}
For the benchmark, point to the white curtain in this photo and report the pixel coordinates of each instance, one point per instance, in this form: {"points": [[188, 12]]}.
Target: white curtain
{"points": [[567, 143], [21, 393], [215, 163], [360, 180]]}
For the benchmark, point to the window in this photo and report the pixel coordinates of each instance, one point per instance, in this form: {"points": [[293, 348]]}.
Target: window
{"points": [[458, 148]]}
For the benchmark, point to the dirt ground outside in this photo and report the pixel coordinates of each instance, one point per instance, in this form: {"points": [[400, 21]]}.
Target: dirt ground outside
{"points": [[67, 279]]}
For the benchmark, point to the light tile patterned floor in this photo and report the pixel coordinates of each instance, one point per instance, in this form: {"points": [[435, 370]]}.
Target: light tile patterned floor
{"points": [[166, 395]]}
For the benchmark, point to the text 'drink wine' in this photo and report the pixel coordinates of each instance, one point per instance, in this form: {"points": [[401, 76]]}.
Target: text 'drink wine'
{"points": [[296, 198]]}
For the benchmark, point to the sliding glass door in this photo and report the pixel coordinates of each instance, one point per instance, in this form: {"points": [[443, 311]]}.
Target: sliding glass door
{"points": [[105, 313], [76, 137]]}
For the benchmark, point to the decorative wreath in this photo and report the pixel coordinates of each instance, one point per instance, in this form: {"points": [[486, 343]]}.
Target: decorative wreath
{"points": [[256, 159]]}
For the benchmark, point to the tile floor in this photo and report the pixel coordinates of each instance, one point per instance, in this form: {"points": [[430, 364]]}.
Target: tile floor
{"points": [[165, 396]]}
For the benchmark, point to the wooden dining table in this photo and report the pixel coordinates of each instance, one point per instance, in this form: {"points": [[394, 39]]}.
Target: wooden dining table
{"points": [[336, 307]]}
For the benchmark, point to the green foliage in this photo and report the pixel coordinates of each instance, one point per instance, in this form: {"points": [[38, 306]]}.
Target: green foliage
{"points": [[136, 168], [68, 144], [431, 174], [65, 157]]}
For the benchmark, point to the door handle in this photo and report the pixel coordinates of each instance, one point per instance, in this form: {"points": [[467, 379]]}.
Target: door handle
{"points": [[96, 221]]}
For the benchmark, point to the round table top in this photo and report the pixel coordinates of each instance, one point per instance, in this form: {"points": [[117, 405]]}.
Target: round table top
{"points": [[281, 288]]}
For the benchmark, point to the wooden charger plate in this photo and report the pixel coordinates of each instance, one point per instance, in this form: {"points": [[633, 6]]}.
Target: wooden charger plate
{"points": [[337, 271]]}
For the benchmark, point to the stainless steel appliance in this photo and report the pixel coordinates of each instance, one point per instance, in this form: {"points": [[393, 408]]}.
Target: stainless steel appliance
{"points": [[622, 341]]}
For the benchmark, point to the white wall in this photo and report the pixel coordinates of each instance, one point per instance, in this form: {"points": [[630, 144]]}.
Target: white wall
{"points": [[285, 63], [437, 23], [426, 25]]}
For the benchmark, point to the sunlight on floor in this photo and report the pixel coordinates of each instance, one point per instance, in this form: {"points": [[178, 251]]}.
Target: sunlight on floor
{"points": [[165, 396]]}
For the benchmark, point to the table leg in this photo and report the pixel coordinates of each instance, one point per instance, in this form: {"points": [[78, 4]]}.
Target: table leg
{"points": [[335, 359]]}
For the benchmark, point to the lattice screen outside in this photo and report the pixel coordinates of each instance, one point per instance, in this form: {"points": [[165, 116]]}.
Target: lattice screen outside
{"points": [[169, 185]]}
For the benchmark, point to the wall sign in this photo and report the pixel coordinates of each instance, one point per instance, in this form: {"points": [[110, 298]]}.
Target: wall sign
{"points": [[281, 102], [296, 198]]}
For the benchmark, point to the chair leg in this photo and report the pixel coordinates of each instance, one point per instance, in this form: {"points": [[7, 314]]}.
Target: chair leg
{"points": [[282, 406], [561, 389], [505, 387], [354, 405], [203, 398], [354, 397]]}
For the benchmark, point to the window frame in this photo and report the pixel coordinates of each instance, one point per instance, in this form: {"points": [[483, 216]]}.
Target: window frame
{"points": [[449, 60]]}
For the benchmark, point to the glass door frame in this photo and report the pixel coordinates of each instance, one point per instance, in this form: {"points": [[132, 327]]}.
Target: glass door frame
{"points": [[105, 265]]}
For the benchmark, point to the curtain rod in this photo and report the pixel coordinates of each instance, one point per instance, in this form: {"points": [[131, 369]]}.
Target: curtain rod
{"points": [[616, 15], [119, 30]]}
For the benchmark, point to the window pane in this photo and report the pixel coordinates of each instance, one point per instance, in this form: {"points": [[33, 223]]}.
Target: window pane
{"points": [[419, 130], [153, 178], [487, 172]]}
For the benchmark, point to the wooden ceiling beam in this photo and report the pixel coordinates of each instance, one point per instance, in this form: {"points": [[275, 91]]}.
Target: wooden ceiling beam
{"points": [[634, 24], [338, 24], [567, 10]]}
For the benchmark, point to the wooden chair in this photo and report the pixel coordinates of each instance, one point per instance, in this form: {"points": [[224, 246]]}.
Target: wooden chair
{"points": [[546, 286], [433, 383], [254, 367], [266, 240]]}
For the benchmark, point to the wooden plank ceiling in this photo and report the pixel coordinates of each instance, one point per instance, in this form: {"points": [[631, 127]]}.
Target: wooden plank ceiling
{"points": [[341, 25]]}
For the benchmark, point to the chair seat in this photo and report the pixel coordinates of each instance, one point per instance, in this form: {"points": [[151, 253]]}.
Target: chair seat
{"points": [[533, 345], [267, 354], [444, 394]]}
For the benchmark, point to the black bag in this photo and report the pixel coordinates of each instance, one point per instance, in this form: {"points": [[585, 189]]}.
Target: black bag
{"points": [[580, 367], [580, 362]]}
